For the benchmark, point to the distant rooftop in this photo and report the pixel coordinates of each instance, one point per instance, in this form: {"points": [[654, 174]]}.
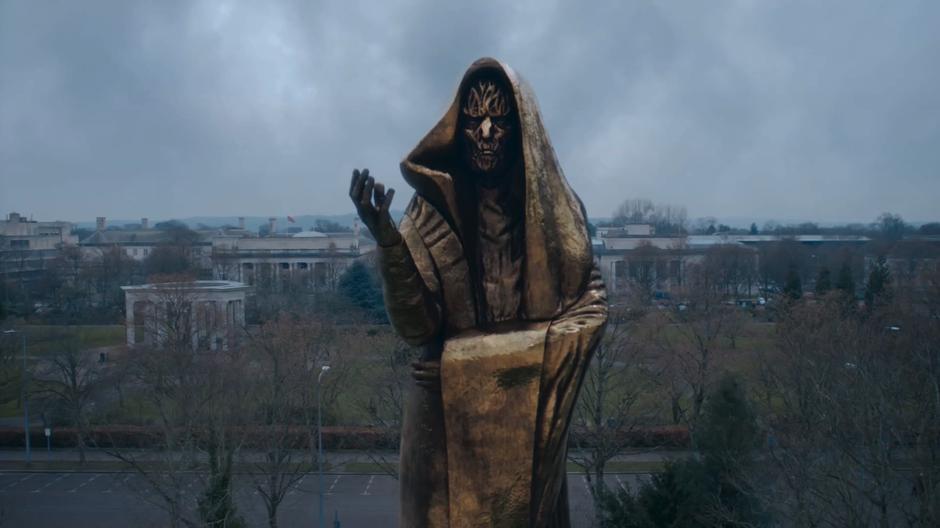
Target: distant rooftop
{"points": [[199, 285], [310, 234]]}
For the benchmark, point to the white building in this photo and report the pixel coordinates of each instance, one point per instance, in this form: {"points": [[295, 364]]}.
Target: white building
{"points": [[309, 258], [207, 315]]}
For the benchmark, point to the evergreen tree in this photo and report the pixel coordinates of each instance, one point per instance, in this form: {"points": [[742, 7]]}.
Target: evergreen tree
{"points": [[846, 281], [823, 281], [358, 285], [793, 287], [692, 491], [876, 290], [754, 228]]}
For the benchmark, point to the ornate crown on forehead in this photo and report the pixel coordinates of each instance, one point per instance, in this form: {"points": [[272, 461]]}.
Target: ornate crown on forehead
{"points": [[486, 98]]}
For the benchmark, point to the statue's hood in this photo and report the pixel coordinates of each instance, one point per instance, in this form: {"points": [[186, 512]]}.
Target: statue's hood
{"points": [[558, 249]]}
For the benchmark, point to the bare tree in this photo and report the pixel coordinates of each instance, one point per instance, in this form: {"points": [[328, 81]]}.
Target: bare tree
{"points": [[287, 353], [71, 376], [386, 402], [666, 219], [642, 268], [607, 411], [734, 268], [689, 342], [199, 398], [853, 402]]}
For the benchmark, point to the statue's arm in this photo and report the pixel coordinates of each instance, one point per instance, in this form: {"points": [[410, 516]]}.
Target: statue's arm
{"points": [[412, 307]]}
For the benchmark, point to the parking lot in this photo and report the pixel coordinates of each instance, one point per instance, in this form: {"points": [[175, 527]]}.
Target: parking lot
{"points": [[81, 499]]}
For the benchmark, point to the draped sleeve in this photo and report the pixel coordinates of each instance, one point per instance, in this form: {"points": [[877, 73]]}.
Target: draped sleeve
{"points": [[411, 289]]}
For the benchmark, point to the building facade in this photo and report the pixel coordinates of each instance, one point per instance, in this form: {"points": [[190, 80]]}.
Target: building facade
{"points": [[28, 247], [308, 259]]}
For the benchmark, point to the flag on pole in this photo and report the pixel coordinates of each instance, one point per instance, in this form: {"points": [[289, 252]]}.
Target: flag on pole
{"points": [[291, 219]]}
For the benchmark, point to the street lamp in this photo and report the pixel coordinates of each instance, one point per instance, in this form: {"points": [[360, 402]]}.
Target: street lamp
{"points": [[323, 370], [25, 395]]}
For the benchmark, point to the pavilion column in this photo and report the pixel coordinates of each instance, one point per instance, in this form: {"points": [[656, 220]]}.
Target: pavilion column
{"points": [[613, 276], [229, 324], [150, 323], [193, 325], [129, 321]]}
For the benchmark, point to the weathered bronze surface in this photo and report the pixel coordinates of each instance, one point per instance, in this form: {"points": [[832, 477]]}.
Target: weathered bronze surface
{"points": [[490, 271]]}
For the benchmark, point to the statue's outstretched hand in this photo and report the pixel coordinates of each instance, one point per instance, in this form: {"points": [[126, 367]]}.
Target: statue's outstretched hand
{"points": [[372, 203]]}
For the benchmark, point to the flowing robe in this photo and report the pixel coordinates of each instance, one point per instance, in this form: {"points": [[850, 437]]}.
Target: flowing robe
{"points": [[512, 308]]}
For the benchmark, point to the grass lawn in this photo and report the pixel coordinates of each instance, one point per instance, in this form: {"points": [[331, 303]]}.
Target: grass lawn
{"points": [[42, 340]]}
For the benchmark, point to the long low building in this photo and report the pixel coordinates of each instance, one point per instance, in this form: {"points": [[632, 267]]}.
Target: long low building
{"points": [[636, 253]]}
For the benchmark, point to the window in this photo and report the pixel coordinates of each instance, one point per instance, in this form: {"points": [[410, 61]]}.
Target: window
{"points": [[19, 244]]}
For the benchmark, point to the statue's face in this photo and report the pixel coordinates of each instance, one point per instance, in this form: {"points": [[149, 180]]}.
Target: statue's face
{"points": [[489, 126]]}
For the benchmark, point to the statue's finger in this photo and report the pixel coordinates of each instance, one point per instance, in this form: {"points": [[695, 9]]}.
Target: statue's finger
{"points": [[355, 186], [379, 194], [366, 197], [388, 200]]}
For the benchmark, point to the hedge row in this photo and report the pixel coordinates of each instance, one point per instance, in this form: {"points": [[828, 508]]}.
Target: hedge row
{"points": [[334, 437]]}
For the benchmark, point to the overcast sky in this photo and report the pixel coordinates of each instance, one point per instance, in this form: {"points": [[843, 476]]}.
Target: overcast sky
{"points": [[787, 110]]}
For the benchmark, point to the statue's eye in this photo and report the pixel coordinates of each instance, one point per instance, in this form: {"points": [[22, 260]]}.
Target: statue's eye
{"points": [[473, 123], [501, 123]]}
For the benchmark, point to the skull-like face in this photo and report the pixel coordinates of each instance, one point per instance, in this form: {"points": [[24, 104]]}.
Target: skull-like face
{"points": [[488, 126]]}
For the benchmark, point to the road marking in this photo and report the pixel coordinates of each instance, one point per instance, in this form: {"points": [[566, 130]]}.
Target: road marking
{"points": [[122, 484], [296, 485], [368, 485], [587, 486], [620, 482], [51, 482], [333, 485], [83, 484], [15, 482]]}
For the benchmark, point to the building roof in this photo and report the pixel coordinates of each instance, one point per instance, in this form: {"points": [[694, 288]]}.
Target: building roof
{"points": [[309, 234], [131, 237], [192, 286]]}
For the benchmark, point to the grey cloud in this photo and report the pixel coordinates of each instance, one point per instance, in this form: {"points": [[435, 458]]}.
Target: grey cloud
{"points": [[793, 110]]}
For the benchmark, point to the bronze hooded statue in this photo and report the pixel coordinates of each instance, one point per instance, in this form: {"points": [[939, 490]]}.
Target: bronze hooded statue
{"points": [[491, 272]]}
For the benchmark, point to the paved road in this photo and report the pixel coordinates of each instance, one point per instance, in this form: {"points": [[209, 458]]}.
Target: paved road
{"points": [[104, 500]]}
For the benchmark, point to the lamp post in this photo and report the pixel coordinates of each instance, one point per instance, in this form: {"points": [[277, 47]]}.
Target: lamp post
{"points": [[323, 370], [25, 394]]}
